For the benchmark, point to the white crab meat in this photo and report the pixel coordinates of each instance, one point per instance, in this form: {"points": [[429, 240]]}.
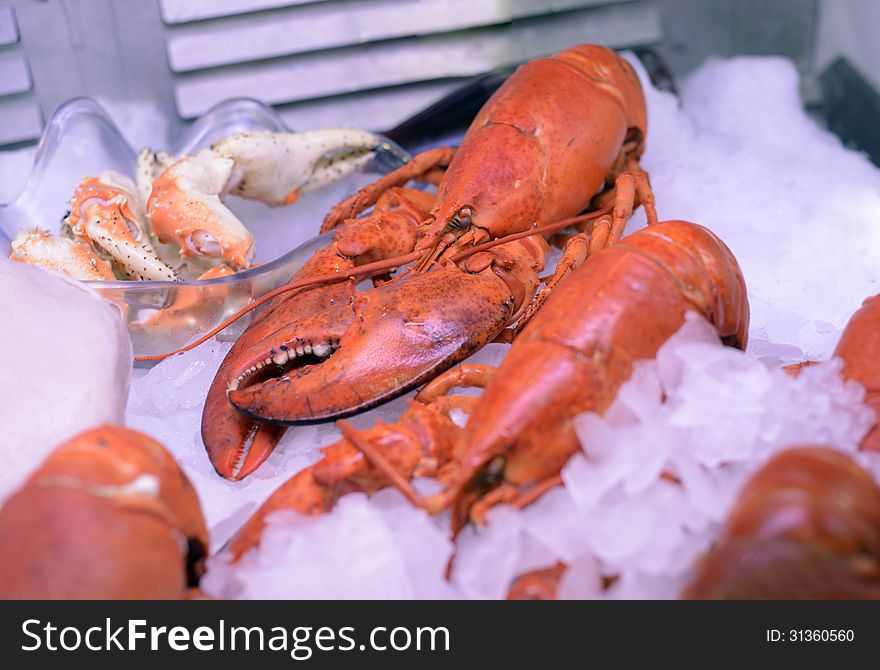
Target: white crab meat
{"points": [[107, 213], [185, 204], [72, 257]]}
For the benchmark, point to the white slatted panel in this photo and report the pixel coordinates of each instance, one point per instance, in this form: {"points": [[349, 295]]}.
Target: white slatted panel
{"points": [[337, 24], [405, 61], [15, 77], [379, 109], [181, 11], [369, 63], [21, 119], [8, 28]]}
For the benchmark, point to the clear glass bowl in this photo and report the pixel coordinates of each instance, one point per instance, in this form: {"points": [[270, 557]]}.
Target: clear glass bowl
{"points": [[82, 140]]}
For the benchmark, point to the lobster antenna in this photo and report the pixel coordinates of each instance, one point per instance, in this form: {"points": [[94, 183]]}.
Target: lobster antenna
{"points": [[333, 278]]}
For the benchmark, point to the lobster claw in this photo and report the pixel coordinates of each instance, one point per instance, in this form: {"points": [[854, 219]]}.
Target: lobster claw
{"points": [[395, 337], [237, 445]]}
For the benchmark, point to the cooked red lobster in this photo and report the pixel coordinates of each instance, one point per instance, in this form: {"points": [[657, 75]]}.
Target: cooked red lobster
{"points": [[557, 133], [617, 308]]}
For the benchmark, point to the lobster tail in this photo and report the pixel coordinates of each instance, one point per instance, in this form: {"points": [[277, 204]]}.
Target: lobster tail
{"points": [[109, 514], [806, 525]]}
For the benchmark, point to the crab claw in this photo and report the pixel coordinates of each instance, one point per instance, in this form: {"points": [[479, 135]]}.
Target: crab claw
{"points": [[106, 212], [72, 257], [388, 340], [185, 208], [148, 166], [186, 200], [276, 168]]}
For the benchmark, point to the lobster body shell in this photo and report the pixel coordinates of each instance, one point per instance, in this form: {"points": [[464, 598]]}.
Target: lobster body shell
{"points": [[859, 347], [618, 308], [545, 143], [108, 515]]}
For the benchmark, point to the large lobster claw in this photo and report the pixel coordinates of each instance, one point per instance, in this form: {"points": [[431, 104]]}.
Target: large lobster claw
{"points": [[395, 337], [237, 445]]}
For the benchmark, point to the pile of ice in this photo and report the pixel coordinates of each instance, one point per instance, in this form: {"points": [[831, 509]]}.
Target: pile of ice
{"points": [[802, 215], [65, 365], [700, 413], [800, 211], [390, 550]]}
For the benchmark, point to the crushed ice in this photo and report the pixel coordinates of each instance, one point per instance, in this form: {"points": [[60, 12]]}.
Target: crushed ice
{"points": [[800, 212]]}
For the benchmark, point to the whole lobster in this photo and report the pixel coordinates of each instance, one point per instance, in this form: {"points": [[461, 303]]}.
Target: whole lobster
{"points": [[108, 515], [557, 133], [806, 525], [618, 307]]}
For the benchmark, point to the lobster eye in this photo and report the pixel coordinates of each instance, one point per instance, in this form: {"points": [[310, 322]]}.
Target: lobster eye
{"points": [[493, 472], [462, 218]]}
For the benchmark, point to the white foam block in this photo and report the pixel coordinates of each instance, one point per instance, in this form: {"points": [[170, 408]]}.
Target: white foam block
{"points": [[65, 364]]}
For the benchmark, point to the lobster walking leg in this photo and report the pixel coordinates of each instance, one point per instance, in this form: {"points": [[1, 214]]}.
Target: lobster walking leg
{"points": [[415, 169], [631, 186], [540, 584], [577, 248], [461, 376], [420, 443]]}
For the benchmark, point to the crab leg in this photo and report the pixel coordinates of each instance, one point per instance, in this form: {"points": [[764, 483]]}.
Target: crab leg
{"points": [[186, 206]]}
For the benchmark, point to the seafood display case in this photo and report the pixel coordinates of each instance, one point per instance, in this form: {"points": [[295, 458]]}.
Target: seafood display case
{"points": [[527, 299]]}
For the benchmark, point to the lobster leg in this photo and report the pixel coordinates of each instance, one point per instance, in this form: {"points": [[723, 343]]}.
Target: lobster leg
{"points": [[295, 330], [466, 375], [577, 249], [436, 393], [631, 187], [540, 584], [508, 494], [418, 167], [417, 445]]}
